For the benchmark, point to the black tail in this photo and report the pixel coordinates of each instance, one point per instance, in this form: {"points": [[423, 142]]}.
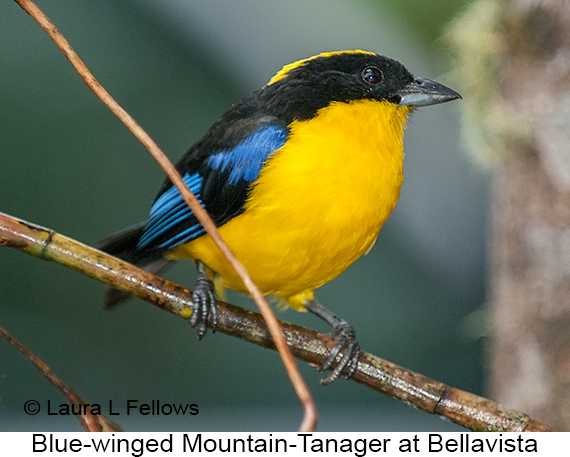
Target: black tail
{"points": [[124, 246]]}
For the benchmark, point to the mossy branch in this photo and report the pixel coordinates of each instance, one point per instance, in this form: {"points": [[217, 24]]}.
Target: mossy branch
{"points": [[464, 408]]}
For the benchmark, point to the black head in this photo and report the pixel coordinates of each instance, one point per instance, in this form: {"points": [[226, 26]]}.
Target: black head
{"points": [[300, 89]]}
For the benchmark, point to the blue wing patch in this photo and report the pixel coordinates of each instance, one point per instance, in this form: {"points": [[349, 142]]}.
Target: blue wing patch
{"points": [[170, 209], [221, 186], [247, 158]]}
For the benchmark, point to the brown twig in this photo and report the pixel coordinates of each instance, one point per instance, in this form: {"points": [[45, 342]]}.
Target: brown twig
{"points": [[90, 422], [464, 408], [310, 413]]}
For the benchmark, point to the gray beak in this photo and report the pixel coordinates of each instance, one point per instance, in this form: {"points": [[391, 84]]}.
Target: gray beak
{"points": [[424, 92]]}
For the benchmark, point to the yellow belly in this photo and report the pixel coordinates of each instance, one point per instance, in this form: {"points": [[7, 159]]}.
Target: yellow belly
{"points": [[318, 204]]}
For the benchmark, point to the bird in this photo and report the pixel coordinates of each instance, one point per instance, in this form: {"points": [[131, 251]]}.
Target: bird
{"points": [[299, 176]]}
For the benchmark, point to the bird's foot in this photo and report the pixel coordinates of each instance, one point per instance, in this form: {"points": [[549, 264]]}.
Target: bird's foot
{"points": [[203, 304], [344, 338]]}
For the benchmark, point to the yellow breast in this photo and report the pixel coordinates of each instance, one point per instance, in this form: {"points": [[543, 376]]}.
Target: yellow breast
{"points": [[318, 204]]}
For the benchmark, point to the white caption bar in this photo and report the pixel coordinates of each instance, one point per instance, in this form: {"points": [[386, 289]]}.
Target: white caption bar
{"points": [[305, 444]]}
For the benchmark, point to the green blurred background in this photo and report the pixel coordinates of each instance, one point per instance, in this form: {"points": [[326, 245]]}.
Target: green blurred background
{"points": [[67, 163]]}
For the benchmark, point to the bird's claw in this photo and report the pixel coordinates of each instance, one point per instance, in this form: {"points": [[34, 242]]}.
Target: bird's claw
{"points": [[344, 338], [203, 305]]}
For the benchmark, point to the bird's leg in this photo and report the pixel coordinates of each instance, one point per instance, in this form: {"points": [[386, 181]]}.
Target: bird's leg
{"points": [[203, 302], [344, 340]]}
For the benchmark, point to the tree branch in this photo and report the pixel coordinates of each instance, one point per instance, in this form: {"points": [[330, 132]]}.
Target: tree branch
{"points": [[90, 422], [310, 413], [434, 397]]}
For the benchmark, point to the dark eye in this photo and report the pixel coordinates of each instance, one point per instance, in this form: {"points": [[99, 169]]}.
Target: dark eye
{"points": [[372, 75]]}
